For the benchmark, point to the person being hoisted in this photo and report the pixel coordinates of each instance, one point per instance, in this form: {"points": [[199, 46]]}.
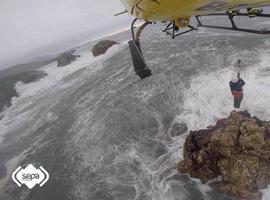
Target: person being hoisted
{"points": [[236, 84]]}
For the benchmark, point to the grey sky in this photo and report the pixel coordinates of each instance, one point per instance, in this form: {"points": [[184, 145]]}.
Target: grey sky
{"points": [[47, 26]]}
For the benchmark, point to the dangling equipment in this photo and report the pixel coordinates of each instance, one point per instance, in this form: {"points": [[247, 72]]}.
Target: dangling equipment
{"points": [[140, 66]]}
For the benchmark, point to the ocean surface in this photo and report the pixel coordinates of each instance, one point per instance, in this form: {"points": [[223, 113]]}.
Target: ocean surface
{"points": [[104, 134]]}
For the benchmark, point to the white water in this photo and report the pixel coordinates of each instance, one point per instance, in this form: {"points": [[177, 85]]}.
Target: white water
{"points": [[15, 115], [209, 97]]}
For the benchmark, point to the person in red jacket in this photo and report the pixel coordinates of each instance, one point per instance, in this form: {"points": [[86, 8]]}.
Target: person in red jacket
{"points": [[236, 85]]}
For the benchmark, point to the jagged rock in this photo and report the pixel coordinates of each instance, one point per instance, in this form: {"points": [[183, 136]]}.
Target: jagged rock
{"points": [[66, 58], [237, 149], [179, 129], [102, 47], [7, 86]]}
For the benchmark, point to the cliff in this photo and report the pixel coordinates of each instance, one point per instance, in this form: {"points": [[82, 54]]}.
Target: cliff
{"points": [[237, 150]]}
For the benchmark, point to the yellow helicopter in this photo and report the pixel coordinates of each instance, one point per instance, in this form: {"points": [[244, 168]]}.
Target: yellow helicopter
{"points": [[177, 15]]}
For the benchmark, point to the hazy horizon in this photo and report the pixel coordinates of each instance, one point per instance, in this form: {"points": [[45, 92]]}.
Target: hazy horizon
{"points": [[32, 29]]}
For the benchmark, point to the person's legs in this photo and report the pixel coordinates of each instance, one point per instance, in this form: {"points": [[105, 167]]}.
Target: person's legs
{"points": [[237, 101], [236, 105]]}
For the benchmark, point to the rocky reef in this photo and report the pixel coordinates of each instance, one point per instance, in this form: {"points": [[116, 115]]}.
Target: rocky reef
{"points": [[66, 58], [235, 153], [7, 86], [102, 46]]}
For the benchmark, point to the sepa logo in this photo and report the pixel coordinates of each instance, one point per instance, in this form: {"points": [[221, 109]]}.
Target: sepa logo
{"points": [[30, 176]]}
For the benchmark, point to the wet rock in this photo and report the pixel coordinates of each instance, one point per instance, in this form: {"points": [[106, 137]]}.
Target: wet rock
{"points": [[179, 129], [102, 47], [66, 59], [237, 149], [7, 86]]}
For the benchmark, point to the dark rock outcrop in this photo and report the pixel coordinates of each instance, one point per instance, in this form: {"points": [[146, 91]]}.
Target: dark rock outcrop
{"points": [[179, 129], [66, 59], [7, 86], [102, 47], [237, 149]]}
